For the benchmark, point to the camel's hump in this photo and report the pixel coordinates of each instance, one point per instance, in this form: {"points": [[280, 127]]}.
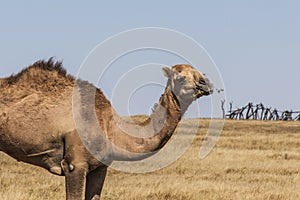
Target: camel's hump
{"points": [[46, 65]]}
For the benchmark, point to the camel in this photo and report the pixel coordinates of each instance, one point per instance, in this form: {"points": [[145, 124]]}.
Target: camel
{"points": [[37, 123]]}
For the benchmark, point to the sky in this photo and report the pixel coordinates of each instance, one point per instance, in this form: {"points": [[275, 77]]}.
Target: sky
{"points": [[255, 45]]}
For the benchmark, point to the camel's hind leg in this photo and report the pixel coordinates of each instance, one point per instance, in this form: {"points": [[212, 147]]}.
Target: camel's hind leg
{"points": [[94, 184]]}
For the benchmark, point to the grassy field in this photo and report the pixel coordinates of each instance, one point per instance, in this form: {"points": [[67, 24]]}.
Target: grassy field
{"points": [[252, 160]]}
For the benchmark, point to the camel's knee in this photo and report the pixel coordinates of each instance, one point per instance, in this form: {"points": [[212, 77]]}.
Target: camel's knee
{"points": [[67, 167]]}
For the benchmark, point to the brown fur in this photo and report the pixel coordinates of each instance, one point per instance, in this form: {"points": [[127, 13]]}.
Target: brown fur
{"points": [[37, 125]]}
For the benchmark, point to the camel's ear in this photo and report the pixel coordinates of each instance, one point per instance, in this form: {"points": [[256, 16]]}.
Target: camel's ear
{"points": [[167, 72]]}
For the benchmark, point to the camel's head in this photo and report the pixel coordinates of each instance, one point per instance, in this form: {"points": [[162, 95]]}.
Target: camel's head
{"points": [[187, 83]]}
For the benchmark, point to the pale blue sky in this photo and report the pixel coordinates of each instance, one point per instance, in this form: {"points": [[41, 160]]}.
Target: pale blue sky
{"points": [[255, 44]]}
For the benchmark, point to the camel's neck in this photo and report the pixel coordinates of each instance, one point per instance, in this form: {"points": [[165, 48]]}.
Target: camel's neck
{"points": [[137, 141], [166, 116]]}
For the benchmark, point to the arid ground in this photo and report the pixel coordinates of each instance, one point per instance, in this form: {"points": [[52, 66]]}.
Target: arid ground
{"points": [[251, 160]]}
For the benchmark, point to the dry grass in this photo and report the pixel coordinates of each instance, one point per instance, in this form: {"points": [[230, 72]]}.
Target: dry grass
{"points": [[252, 160]]}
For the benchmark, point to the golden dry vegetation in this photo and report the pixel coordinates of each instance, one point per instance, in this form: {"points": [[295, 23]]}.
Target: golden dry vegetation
{"points": [[251, 160]]}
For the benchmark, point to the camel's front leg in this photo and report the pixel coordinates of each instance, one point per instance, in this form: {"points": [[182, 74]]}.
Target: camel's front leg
{"points": [[95, 181], [75, 176]]}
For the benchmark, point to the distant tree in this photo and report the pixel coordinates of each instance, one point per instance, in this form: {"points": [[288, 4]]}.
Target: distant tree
{"points": [[222, 107]]}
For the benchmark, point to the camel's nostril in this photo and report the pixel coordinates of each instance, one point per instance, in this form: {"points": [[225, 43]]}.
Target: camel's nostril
{"points": [[205, 86]]}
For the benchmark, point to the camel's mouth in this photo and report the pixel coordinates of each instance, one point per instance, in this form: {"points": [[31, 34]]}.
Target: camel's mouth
{"points": [[204, 88]]}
